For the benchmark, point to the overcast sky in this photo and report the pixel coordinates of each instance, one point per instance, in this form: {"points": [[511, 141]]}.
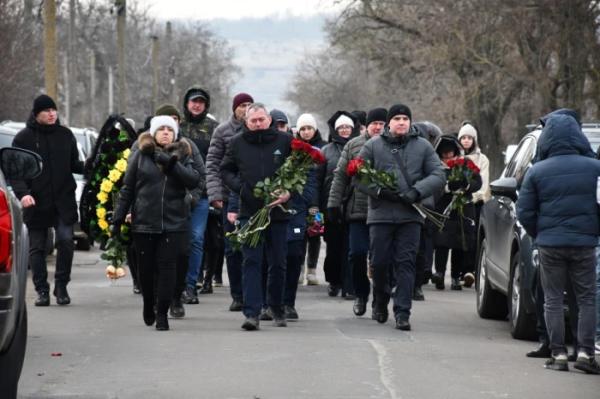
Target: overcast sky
{"points": [[236, 9]]}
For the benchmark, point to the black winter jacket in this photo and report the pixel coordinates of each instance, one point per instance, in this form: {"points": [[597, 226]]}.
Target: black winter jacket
{"points": [[54, 189], [157, 195], [251, 157]]}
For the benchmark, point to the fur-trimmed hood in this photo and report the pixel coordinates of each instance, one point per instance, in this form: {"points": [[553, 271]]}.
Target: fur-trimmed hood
{"points": [[180, 148]]}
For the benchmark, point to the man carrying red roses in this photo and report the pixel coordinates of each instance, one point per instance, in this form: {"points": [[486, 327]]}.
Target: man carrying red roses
{"points": [[394, 224]]}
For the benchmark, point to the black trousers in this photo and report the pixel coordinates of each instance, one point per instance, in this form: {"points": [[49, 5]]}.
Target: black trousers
{"points": [[64, 256], [313, 247], [336, 256], [214, 247], [157, 255], [132, 263], [295, 256], [456, 261], [424, 255]]}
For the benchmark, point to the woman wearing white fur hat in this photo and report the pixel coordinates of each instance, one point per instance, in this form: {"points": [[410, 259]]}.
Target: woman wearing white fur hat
{"points": [[155, 188]]}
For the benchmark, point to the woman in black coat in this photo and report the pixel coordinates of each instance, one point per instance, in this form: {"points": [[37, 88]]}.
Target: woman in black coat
{"points": [[155, 188], [458, 233]]}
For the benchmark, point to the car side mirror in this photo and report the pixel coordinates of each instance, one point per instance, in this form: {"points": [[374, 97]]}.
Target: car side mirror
{"points": [[20, 164], [505, 187]]}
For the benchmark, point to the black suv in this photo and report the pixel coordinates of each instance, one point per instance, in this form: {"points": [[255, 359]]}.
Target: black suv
{"points": [[507, 258]]}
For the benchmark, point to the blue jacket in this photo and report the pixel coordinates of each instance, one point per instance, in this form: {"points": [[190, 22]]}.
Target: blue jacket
{"points": [[557, 201]]}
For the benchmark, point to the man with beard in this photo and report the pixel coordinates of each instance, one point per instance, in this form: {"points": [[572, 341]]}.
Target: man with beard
{"points": [[218, 194], [394, 224], [343, 192], [253, 156], [49, 199]]}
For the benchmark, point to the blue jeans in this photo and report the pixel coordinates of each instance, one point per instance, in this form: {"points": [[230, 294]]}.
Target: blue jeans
{"points": [[198, 226], [598, 294], [274, 248]]}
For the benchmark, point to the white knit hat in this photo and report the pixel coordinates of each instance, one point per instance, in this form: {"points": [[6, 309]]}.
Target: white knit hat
{"points": [[306, 120], [343, 120], [163, 120], [467, 130]]}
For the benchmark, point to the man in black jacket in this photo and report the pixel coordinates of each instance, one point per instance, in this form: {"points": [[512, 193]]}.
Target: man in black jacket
{"points": [[49, 199], [251, 157]]}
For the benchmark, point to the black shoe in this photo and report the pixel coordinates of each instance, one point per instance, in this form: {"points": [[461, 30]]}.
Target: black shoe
{"points": [[236, 306], [438, 280], [587, 364], [206, 287], [189, 296], [176, 310], [279, 321], [455, 285], [162, 323], [136, 289], [333, 290], [266, 314], [381, 313], [218, 282], [62, 296], [347, 296], [542, 351], [290, 313], [360, 306], [251, 324], [43, 299], [559, 363], [149, 315], [426, 277], [418, 294], [402, 324]]}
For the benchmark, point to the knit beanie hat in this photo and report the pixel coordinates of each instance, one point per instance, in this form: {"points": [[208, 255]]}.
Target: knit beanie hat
{"points": [[467, 130], [278, 116], [43, 102], [167, 109], [361, 116], [343, 120], [377, 115], [241, 98], [163, 120], [306, 120], [398, 109]]}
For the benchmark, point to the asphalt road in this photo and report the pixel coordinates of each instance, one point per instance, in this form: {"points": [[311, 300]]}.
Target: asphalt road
{"points": [[107, 352]]}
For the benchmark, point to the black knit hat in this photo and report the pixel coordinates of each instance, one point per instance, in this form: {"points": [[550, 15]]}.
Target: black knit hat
{"points": [[43, 102], [167, 109], [377, 114], [361, 116], [398, 109]]}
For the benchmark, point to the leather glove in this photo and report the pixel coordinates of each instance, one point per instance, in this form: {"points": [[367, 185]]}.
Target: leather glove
{"points": [[334, 215], [409, 197], [456, 185], [388, 195], [162, 158]]}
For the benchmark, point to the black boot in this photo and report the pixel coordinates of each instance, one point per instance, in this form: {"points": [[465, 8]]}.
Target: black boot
{"points": [[542, 351], [162, 323], [61, 294], [176, 310], [360, 306], [418, 294], [43, 299], [207, 287], [148, 313]]}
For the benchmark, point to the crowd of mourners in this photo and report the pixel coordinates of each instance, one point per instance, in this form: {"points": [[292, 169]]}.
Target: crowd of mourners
{"points": [[190, 181]]}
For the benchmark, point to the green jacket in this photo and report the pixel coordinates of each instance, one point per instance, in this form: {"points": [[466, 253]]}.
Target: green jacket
{"points": [[343, 188]]}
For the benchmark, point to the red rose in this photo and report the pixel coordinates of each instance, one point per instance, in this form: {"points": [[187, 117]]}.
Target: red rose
{"points": [[450, 163], [471, 165], [353, 166], [316, 155], [297, 145], [460, 161]]}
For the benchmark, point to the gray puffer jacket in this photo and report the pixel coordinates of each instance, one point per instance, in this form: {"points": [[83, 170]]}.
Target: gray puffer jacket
{"points": [[216, 152], [343, 188], [420, 162]]}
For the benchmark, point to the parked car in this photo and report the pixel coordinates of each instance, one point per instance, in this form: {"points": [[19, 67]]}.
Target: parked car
{"points": [[15, 164], [86, 139], [508, 261]]}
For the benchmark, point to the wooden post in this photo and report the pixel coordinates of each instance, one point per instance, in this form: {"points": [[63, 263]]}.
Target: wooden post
{"points": [[50, 59]]}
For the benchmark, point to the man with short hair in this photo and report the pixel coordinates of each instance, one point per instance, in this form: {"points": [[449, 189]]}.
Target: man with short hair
{"points": [[394, 224], [279, 121], [343, 191], [218, 194], [558, 208], [49, 199], [252, 156]]}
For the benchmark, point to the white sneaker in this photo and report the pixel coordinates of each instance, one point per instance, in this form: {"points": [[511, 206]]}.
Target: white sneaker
{"points": [[311, 279], [597, 348]]}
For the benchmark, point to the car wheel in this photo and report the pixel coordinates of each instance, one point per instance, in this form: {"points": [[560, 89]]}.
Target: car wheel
{"points": [[490, 303], [83, 244], [522, 325], [11, 361]]}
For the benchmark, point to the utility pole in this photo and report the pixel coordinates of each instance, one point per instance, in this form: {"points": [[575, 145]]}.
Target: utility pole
{"points": [[92, 102], [111, 108], [50, 59], [69, 70], [155, 73], [121, 20], [171, 71]]}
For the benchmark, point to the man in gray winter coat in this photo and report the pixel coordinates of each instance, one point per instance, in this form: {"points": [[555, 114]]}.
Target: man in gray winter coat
{"points": [[394, 224]]}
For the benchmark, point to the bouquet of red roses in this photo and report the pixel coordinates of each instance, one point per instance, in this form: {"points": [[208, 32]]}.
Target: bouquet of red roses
{"points": [[366, 174], [461, 170], [290, 177]]}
